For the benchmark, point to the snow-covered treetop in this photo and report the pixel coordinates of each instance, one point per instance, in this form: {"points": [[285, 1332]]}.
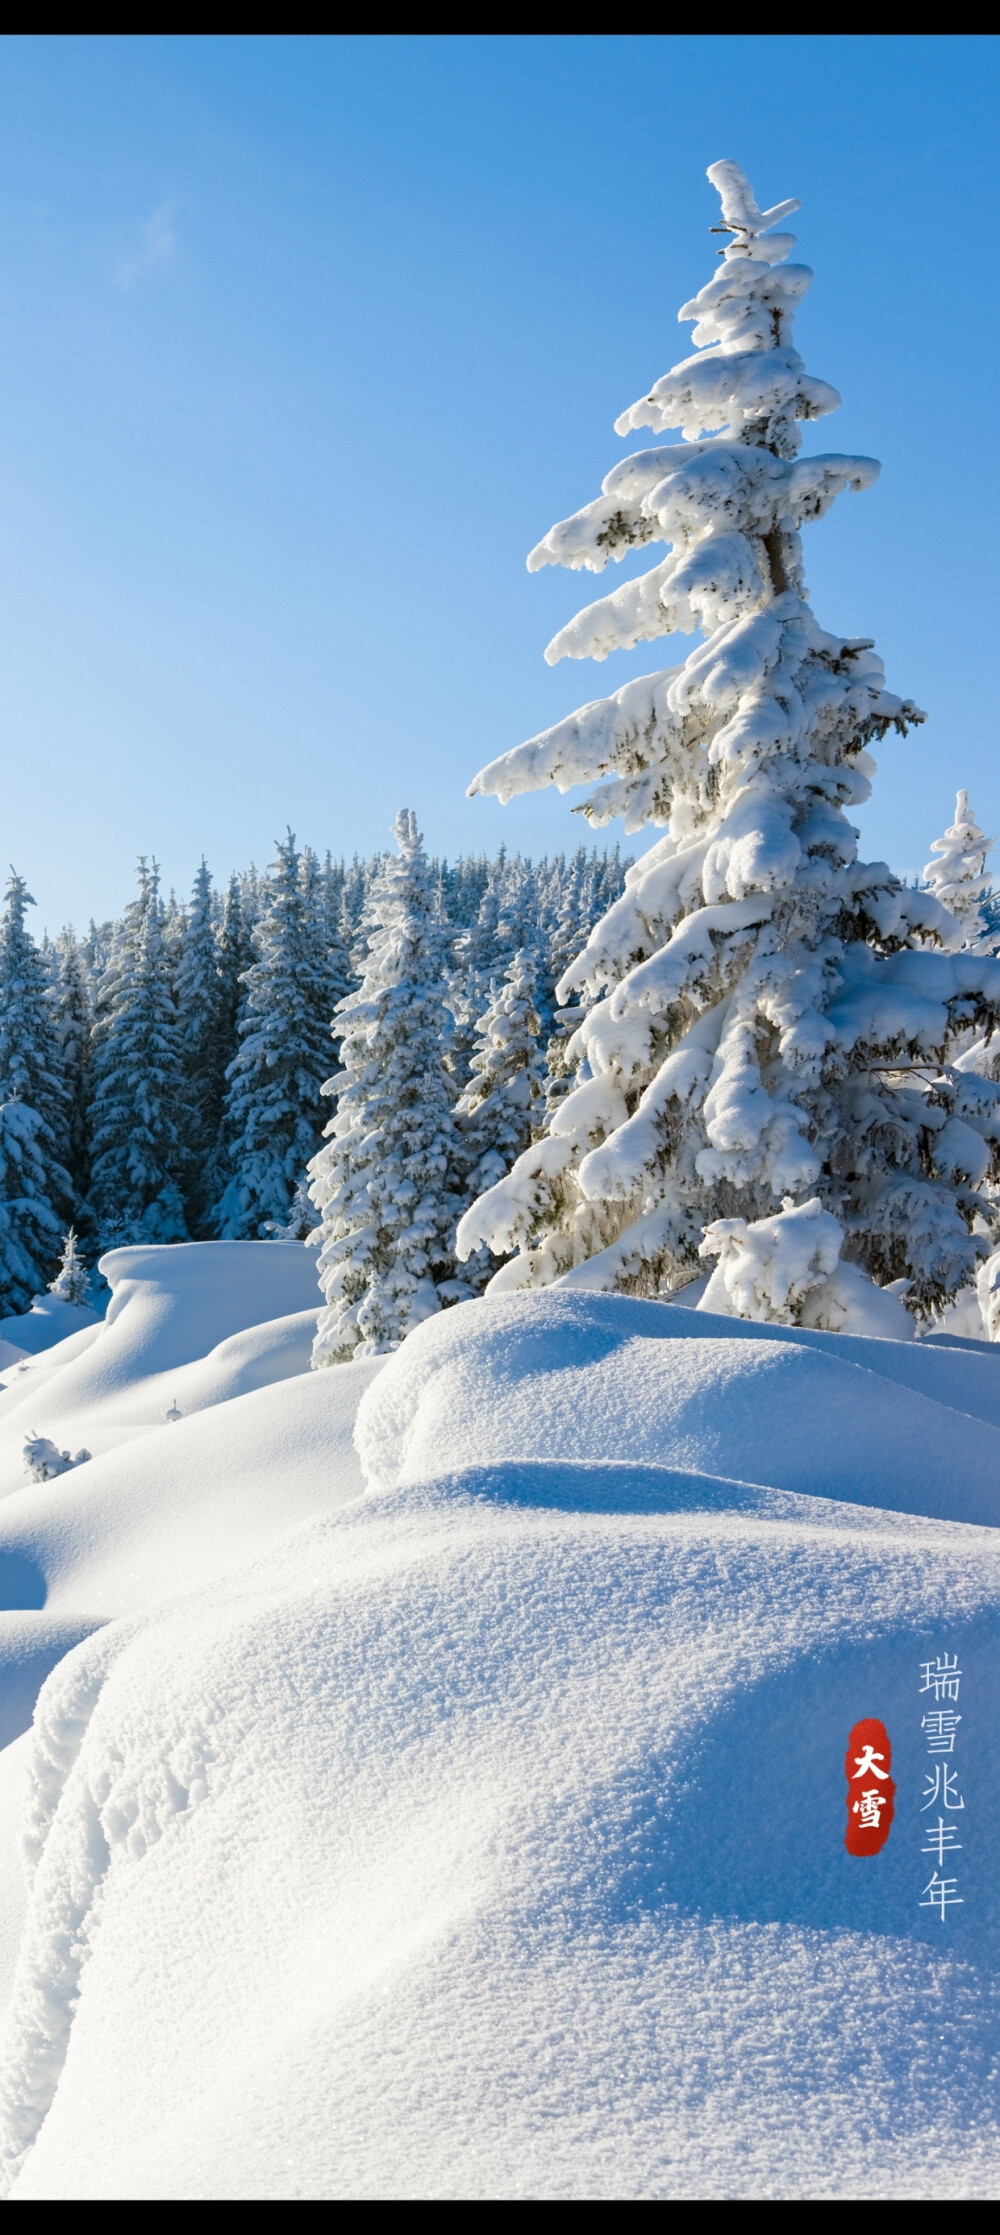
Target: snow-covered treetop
{"points": [[717, 501], [741, 215], [959, 876], [405, 832], [728, 500]]}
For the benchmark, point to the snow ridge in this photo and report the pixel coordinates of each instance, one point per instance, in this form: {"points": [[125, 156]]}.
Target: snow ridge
{"points": [[66, 1856]]}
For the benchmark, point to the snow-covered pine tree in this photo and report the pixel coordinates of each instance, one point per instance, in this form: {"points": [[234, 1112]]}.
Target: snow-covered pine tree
{"points": [[29, 1227], [356, 883], [235, 955], [139, 1158], [568, 930], [94, 952], [506, 921], [36, 1192], [473, 951], [565, 938], [252, 898], [323, 893], [502, 1105], [30, 1068], [274, 1111], [72, 1282], [959, 876], [476, 948], [384, 1184], [610, 880], [517, 917], [334, 875], [173, 920], [464, 886], [768, 1023], [340, 973], [197, 995], [73, 1018]]}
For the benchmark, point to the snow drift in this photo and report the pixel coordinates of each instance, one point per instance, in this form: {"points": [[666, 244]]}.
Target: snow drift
{"points": [[611, 1379], [481, 1833], [48, 1321], [186, 1327]]}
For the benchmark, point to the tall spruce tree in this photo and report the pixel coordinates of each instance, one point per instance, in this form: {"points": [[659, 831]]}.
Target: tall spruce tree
{"points": [[139, 1157], [235, 957], [473, 949], [30, 1067], [94, 952], [503, 1102], [274, 1109], [323, 893], [770, 1029], [357, 883], [73, 1021], [198, 1000], [385, 1184], [36, 1192], [30, 1229]]}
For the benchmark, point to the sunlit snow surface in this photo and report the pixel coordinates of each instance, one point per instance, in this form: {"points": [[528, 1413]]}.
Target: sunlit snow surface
{"points": [[480, 1833]]}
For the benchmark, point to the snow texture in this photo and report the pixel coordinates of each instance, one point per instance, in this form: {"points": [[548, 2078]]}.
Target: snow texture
{"points": [[790, 1268], [482, 1835]]}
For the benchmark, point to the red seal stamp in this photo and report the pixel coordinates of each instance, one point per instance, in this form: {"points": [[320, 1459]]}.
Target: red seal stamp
{"points": [[870, 1789]]}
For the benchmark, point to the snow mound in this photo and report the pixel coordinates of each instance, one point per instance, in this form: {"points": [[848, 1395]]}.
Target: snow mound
{"points": [[30, 1647], [49, 1321], [483, 1834], [559, 1375], [188, 1326], [260, 1445], [482, 1845], [187, 1502]]}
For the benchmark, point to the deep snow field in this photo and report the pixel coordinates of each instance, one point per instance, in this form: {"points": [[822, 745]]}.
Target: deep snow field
{"points": [[436, 1785]]}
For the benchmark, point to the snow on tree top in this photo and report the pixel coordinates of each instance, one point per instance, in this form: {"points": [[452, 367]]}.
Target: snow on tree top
{"points": [[730, 498], [739, 207], [959, 876]]}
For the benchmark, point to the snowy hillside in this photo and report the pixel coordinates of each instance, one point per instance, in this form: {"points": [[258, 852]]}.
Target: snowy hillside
{"points": [[459, 1810]]}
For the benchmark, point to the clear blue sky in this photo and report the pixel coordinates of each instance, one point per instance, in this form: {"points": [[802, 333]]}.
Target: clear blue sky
{"points": [[307, 341]]}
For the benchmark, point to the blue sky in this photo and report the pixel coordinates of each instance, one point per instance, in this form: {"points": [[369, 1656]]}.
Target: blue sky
{"points": [[307, 341]]}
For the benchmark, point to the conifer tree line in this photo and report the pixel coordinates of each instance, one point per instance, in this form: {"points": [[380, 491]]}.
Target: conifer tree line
{"points": [[162, 1078]]}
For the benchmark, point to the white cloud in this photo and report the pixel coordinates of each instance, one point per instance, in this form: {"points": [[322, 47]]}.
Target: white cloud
{"points": [[156, 244]]}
